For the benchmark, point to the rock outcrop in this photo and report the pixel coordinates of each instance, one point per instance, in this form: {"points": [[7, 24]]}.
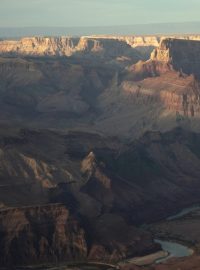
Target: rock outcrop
{"points": [[67, 46], [32, 235], [100, 190], [97, 93], [172, 54], [148, 41], [83, 188], [183, 55], [72, 231], [111, 46]]}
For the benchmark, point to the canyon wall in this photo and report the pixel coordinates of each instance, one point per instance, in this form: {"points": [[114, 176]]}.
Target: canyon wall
{"points": [[64, 46], [94, 95], [93, 217], [183, 55], [72, 225], [40, 234], [145, 41], [67, 46]]}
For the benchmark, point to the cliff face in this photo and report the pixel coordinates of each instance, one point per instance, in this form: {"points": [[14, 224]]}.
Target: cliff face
{"points": [[97, 45], [40, 234], [183, 55], [172, 54], [148, 41], [168, 84], [74, 230], [105, 188], [97, 93], [66, 46]]}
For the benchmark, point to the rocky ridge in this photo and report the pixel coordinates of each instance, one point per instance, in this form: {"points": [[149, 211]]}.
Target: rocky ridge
{"points": [[183, 55], [145, 41], [68, 223], [95, 94], [67, 46], [40, 234], [105, 183]]}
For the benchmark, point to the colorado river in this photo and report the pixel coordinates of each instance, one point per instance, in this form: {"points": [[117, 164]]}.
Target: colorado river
{"points": [[184, 212], [174, 250], [169, 249]]}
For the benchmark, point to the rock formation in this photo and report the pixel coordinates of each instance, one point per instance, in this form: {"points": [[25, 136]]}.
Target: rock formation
{"points": [[69, 190], [40, 234], [67, 46], [183, 55], [97, 93], [66, 225], [99, 190], [147, 41]]}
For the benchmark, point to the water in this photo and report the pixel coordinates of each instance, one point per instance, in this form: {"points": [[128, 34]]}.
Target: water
{"points": [[184, 212], [174, 250]]}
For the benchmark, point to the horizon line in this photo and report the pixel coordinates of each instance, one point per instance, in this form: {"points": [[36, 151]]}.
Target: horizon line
{"points": [[98, 26]]}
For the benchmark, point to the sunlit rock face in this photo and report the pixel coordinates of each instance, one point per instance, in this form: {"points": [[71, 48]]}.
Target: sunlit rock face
{"points": [[104, 83], [67, 46], [75, 222], [184, 55], [64, 46]]}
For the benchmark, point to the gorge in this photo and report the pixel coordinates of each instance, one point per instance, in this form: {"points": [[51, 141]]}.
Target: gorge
{"points": [[98, 136]]}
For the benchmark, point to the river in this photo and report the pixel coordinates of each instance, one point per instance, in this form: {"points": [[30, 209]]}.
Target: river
{"points": [[170, 250], [184, 212], [175, 249]]}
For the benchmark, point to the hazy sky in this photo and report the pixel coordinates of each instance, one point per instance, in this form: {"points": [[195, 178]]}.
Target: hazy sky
{"points": [[96, 12]]}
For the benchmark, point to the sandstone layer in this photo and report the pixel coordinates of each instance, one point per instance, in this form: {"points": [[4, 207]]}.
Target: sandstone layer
{"points": [[146, 41], [95, 95], [183, 55], [67, 46]]}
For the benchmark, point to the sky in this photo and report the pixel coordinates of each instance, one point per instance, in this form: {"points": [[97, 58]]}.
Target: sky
{"points": [[69, 13]]}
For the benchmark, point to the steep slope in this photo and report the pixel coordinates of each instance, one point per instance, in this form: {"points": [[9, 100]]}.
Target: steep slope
{"points": [[40, 234], [54, 92], [158, 167], [159, 102], [158, 94], [98, 189], [183, 55], [67, 46], [145, 40], [80, 224], [99, 93]]}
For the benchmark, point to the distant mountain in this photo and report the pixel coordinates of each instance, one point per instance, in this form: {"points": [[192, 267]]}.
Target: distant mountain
{"points": [[139, 29]]}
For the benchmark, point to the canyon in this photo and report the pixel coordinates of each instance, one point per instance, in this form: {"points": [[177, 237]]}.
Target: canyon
{"points": [[76, 187], [98, 136], [67, 46], [90, 92]]}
